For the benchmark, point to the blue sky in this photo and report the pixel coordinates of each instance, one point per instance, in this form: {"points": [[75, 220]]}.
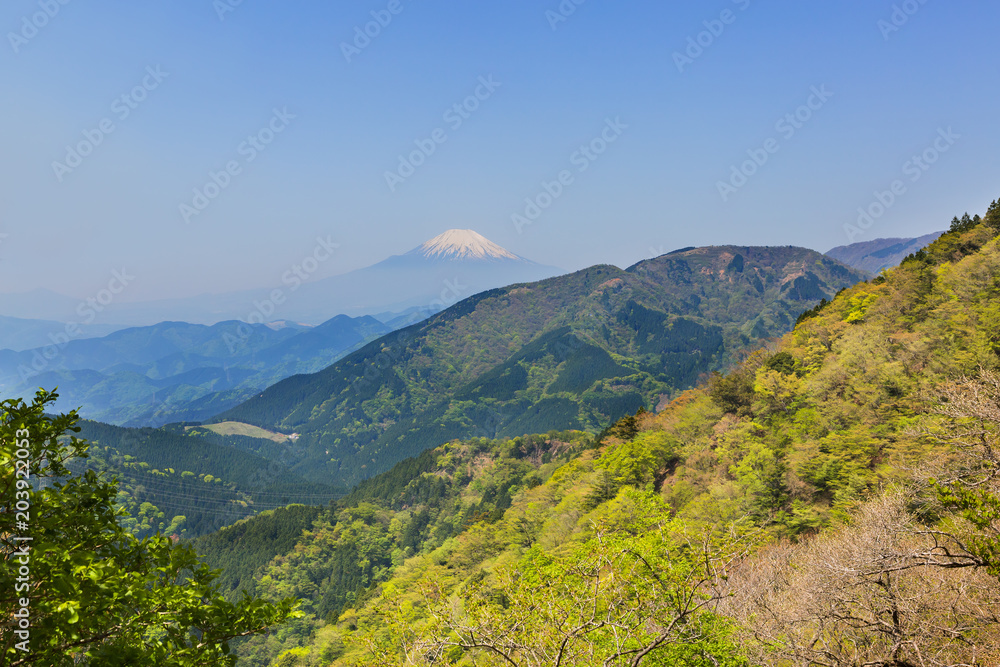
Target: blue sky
{"points": [[654, 189]]}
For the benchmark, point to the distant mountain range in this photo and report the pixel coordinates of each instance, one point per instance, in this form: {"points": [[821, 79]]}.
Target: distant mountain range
{"points": [[576, 351], [436, 274], [256, 416], [189, 372], [878, 254], [176, 371]]}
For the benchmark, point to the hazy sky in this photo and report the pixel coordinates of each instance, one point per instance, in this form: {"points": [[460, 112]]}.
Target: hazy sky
{"points": [[184, 84]]}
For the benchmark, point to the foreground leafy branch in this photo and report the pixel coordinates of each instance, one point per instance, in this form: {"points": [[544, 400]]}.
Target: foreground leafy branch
{"points": [[76, 588]]}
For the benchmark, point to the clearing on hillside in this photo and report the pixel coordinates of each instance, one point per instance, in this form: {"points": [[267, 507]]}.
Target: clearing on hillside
{"points": [[239, 428]]}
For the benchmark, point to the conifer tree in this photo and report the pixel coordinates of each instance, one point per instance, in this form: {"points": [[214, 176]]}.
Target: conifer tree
{"points": [[993, 215]]}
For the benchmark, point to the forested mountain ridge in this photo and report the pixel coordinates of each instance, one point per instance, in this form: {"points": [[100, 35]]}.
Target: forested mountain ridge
{"points": [[572, 352], [831, 501]]}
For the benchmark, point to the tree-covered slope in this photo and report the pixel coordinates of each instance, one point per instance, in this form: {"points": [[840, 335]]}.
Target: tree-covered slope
{"points": [[334, 558], [577, 351], [183, 484]]}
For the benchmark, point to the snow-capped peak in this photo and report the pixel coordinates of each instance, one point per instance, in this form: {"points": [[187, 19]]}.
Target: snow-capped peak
{"points": [[462, 244]]}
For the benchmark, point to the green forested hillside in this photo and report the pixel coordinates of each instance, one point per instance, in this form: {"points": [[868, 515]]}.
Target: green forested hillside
{"points": [[832, 501], [574, 352], [332, 558], [187, 485], [241, 550]]}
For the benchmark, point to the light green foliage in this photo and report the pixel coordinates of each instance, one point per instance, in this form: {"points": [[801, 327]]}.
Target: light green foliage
{"points": [[632, 587], [776, 391], [639, 461], [858, 306]]}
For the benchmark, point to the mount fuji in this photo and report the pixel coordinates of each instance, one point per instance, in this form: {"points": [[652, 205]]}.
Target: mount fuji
{"points": [[434, 275], [463, 244]]}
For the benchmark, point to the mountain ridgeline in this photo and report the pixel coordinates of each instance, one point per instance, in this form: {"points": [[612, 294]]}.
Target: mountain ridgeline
{"points": [[878, 254], [574, 352]]}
